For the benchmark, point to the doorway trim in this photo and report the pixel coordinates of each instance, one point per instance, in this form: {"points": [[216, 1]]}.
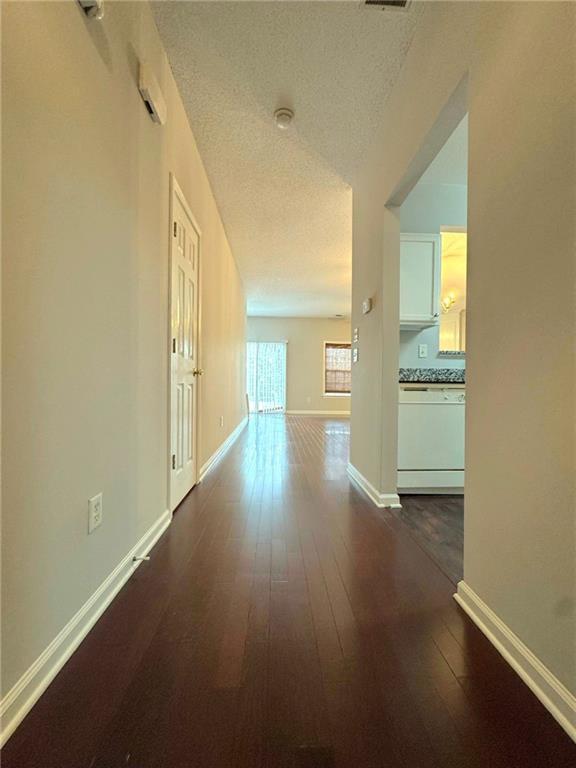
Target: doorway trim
{"points": [[175, 191]]}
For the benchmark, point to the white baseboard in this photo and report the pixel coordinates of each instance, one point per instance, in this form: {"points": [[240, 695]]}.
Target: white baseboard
{"points": [[390, 500], [221, 450], [318, 413], [552, 693], [431, 481], [25, 693], [431, 491]]}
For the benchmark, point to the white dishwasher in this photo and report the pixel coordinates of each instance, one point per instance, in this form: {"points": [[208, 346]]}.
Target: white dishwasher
{"points": [[431, 438]]}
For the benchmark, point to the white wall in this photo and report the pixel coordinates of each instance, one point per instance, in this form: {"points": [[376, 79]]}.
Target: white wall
{"points": [[85, 275], [375, 275], [305, 357], [409, 343], [520, 493], [427, 208]]}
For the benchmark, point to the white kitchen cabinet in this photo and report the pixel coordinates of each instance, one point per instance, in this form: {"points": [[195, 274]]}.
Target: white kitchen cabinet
{"points": [[431, 439], [419, 281]]}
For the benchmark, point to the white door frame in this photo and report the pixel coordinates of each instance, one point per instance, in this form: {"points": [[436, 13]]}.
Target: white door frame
{"points": [[175, 191]]}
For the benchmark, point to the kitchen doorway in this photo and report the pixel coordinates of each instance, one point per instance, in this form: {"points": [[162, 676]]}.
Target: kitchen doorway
{"points": [[432, 355]]}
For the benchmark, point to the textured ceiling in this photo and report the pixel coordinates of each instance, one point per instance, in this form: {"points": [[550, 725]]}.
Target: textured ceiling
{"points": [[285, 197]]}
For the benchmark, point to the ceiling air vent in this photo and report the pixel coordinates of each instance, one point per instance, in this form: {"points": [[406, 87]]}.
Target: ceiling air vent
{"points": [[395, 5]]}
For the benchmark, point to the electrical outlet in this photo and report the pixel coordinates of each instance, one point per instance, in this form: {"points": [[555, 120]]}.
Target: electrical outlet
{"points": [[221, 421], [94, 512], [422, 350]]}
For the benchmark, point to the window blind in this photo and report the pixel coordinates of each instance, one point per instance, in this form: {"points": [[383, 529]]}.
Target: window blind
{"points": [[337, 368]]}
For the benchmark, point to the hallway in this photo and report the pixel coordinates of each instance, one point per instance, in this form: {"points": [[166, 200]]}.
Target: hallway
{"points": [[283, 620]]}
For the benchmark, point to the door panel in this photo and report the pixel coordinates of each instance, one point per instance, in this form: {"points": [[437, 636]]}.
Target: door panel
{"points": [[179, 423], [184, 379], [180, 310], [189, 422], [190, 319]]}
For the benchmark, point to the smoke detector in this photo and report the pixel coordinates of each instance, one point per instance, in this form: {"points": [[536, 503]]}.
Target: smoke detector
{"points": [[283, 118]]}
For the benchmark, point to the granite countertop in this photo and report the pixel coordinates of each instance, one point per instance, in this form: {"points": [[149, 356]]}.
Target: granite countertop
{"points": [[433, 375]]}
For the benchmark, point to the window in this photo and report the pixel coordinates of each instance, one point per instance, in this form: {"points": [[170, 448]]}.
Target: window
{"points": [[337, 368], [266, 376]]}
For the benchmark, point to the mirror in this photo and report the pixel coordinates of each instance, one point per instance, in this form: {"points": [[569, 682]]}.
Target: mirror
{"points": [[453, 292]]}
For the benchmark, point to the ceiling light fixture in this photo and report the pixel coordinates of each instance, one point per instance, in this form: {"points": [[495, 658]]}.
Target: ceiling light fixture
{"points": [[283, 117]]}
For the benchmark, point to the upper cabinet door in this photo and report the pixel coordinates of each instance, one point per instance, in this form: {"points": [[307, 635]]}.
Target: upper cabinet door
{"points": [[419, 281]]}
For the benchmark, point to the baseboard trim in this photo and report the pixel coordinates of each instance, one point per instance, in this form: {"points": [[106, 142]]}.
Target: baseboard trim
{"points": [[318, 413], [27, 690], [431, 491], [430, 481], [546, 687], [221, 450], [389, 500]]}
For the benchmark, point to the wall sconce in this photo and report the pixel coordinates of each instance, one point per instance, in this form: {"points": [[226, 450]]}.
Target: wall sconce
{"points": [[448, 302]]}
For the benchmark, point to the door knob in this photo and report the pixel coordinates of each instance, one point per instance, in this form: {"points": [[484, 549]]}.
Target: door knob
{"points": [[197, 372]]}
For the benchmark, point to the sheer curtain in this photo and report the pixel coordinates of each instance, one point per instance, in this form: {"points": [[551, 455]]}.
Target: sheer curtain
{"points": [[266, 376]]}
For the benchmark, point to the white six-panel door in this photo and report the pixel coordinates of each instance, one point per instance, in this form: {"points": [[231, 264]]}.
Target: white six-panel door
{"points": [[184, 363]]}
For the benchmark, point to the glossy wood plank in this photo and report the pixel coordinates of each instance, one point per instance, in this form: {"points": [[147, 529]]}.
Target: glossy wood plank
{"points": [[283, 621], [437, 524]]}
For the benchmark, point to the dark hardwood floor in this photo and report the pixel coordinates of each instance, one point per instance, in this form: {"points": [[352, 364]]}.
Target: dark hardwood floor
{"points": [[284, 621], [437, 524]]}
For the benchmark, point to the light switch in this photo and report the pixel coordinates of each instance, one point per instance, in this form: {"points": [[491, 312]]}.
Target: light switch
{"points": [[422, 350]]}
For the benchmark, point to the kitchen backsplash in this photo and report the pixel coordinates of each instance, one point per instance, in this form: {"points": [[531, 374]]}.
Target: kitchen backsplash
{"points": [[433, 375], [410, 342]]}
